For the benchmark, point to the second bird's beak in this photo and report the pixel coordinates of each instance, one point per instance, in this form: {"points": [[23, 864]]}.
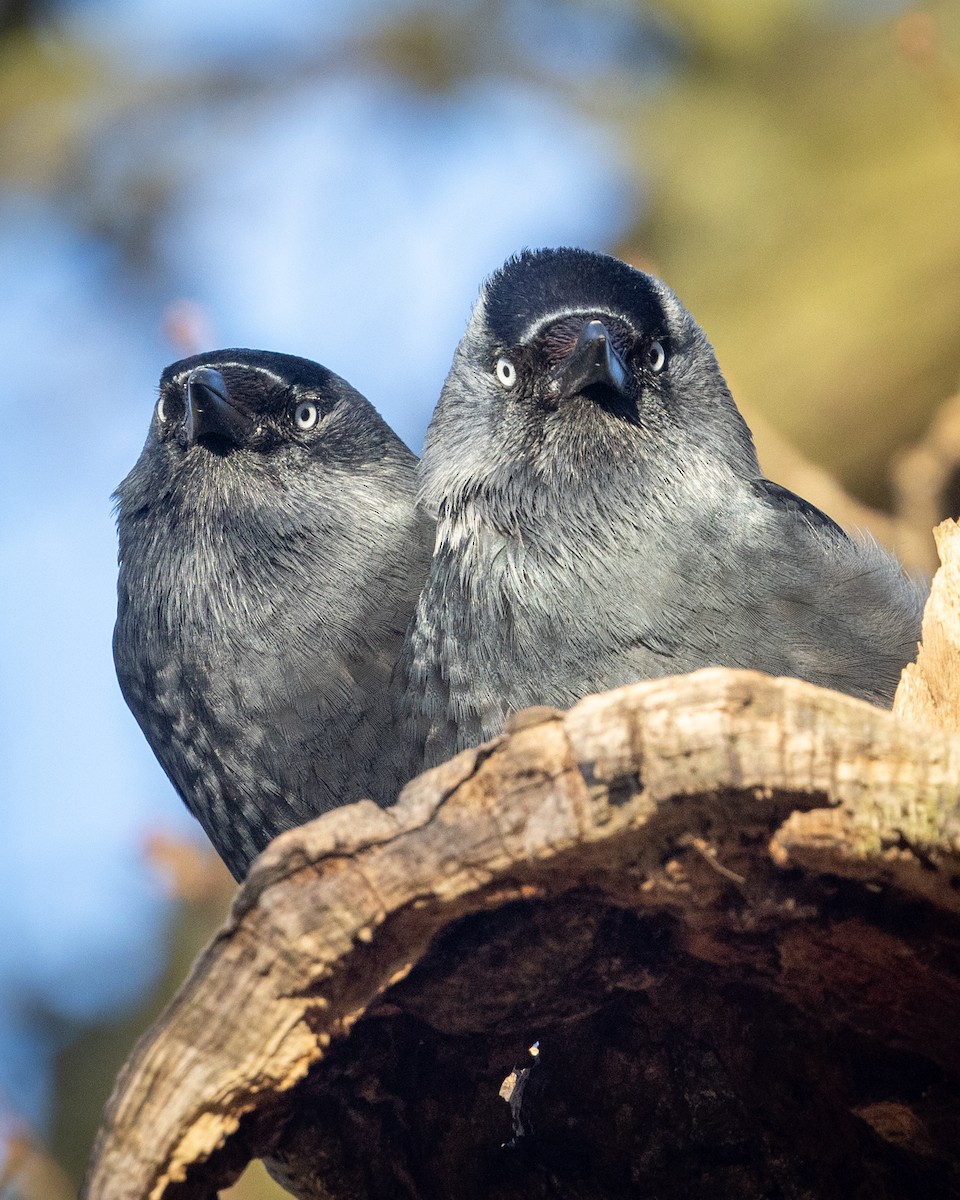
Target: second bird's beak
{"points": [[592, 360], [209, 410]]}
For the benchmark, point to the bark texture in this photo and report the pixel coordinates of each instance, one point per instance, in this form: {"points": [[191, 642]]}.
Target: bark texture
{"points": [[723, 908]]}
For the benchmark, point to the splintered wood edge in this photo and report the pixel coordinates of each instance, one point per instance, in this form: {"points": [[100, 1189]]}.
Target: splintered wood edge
{"points": [[928, 695], [281, 980], [929, 691]]}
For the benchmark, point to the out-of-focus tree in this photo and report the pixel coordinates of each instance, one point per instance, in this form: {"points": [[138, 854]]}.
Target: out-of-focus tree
{"points": [[805, 173], [198, 880]]}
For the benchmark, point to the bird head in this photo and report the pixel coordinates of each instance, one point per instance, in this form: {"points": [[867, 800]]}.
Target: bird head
{"points": [[255, 402], [251, 453], [236, 423], [574, 362]]}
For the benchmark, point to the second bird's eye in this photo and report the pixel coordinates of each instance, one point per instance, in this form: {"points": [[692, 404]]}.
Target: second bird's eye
{"points": [[161, 410], [505, 372], [306, 415], [656, 357]]}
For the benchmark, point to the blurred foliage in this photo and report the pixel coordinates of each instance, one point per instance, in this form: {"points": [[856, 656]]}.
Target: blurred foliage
{"points": [[14, 14], [803, 174], [28, 1172], [805, 206], [433, 48], [725, 31], [88, 1068], [48, 89]]}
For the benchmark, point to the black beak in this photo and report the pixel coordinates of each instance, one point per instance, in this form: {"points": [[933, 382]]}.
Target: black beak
{"points": [[592, 360], [209, 410]]}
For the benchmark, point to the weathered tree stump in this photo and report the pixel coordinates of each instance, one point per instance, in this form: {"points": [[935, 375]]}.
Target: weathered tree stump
{"points": [[727, 999]]}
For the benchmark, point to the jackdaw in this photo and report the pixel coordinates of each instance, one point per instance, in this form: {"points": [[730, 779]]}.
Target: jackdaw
{"points": [[271, 553], [602, 518]]}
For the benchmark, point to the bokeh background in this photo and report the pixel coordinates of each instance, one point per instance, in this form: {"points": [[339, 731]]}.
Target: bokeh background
{"points": [[334, 180]]}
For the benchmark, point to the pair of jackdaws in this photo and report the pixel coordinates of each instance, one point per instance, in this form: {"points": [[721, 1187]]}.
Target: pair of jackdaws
{"points": [[308, 616]]}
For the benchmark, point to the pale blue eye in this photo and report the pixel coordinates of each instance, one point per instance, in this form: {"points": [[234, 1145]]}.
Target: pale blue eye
{"points": [[506, 372], [306, 416], [656, 357]]}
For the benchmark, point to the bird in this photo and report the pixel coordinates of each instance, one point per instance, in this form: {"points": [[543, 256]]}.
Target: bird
{"points": [[602, 518], [271, 551]]}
